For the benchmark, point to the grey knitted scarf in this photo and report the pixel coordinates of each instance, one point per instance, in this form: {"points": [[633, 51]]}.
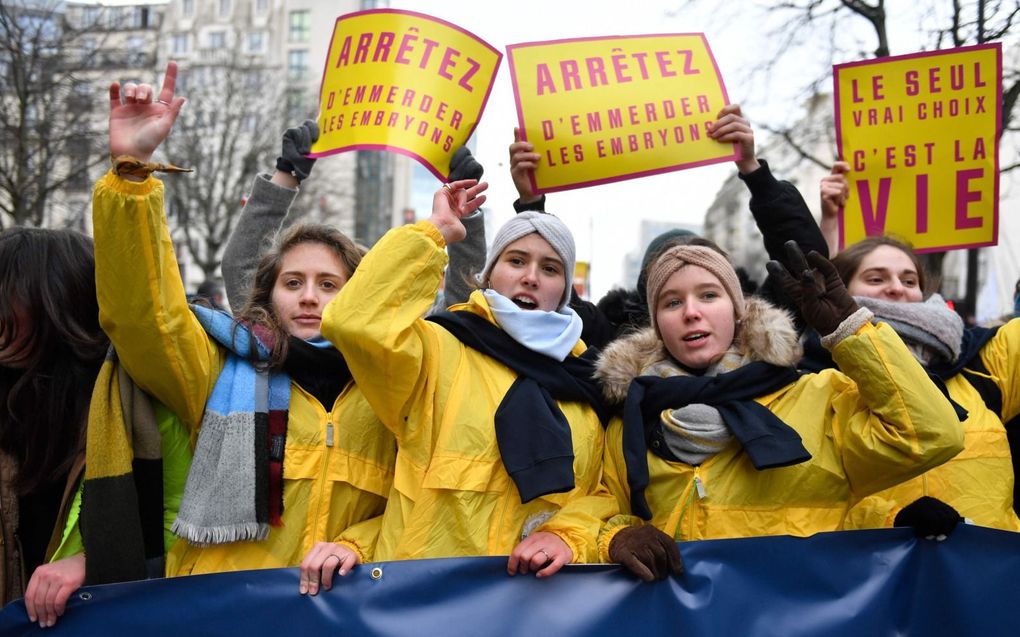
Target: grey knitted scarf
{"points": [[931, 330]]}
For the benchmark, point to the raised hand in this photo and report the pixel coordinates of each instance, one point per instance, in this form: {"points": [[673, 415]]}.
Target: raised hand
{"points": [[816, 288], [138, 125], [463, 165], [730, 127], [835, 190], [523, 162], [297, 143], [453, 201]]}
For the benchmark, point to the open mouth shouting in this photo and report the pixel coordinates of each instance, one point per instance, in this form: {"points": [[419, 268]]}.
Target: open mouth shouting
{"points": [[525, 302]]}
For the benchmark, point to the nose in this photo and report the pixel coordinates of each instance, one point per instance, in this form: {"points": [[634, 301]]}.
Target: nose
{"points": [[692, 311], [529, 277], [309, 295], [895, 289]]}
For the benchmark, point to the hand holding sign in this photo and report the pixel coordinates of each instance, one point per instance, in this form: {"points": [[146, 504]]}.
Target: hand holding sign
{"points": [[732, 128], [523, 162]]}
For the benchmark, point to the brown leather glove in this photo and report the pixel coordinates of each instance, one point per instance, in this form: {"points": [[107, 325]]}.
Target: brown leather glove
{"points": [[818, 291], [647, 552]]}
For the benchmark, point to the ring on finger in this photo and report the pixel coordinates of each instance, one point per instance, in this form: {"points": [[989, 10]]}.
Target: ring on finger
{"points": [[338, 558], [547, 557], [163, 102]]}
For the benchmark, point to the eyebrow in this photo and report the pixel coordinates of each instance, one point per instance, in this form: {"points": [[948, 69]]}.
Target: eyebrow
{"points": [[879, 268], [527, 253]]}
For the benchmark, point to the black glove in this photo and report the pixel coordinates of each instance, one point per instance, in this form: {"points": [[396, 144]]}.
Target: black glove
{"points": [[818, 291], [297, 142], [464, 166], [647, 552], [930, 517]]}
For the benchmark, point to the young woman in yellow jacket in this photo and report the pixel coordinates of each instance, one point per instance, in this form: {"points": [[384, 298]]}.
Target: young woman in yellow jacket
{"points": [[497, 420], [980, 370], [288, 453], [721, 437]]}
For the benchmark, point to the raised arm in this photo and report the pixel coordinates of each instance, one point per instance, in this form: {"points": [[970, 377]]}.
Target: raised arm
{"points": [[142, 303], [375, 320], [265, 211], [835, 190], [892, 422]]}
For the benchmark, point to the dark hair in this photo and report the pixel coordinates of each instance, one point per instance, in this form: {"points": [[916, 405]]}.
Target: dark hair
{"points": [[48, 280], [258, 309], [848, 262]]}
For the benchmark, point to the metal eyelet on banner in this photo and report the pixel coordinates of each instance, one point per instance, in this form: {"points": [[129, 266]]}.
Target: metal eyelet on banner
{"points": [[377, 573], [85, 596]]}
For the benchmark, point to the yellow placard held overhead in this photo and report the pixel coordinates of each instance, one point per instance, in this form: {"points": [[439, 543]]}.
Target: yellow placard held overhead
{"points": [[403, 81], [611, 108], [921, 135]]}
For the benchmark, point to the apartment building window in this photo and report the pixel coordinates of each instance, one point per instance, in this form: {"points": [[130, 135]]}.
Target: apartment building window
{"points": [[179, 43], [261, 6], [90, 16], [256, 42], [188, 8], [300, 26], [217, 39], [297, 64], [224, 8], [140, 18]]}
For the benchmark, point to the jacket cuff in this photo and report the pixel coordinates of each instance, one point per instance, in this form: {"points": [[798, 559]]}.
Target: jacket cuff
{"points": [[112, 182], [850, 326], [605, 539], [363, 555], [537, 205], [431, 231], [760, 181]]}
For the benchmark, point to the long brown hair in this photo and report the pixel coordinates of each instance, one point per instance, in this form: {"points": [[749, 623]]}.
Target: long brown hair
{"points": [[258, 309], [848, 262], [48, 302]]}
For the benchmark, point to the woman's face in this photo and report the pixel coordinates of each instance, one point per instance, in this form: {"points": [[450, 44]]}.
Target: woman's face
{"points": [[887, 273], [310, 275], [530, 273], [13, 351], [696, 317]]}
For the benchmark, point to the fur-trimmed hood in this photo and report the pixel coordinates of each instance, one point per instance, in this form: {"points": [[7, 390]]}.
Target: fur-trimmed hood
{"points": [[765, 334]]}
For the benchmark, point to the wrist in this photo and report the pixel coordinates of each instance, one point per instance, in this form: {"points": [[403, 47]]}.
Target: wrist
{"points": [[285, 179], [748, 166]]}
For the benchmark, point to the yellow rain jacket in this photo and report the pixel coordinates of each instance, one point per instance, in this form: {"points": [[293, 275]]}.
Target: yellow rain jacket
{"points": [[979, 481], [451, 494], [863, 436], [338, 462]]}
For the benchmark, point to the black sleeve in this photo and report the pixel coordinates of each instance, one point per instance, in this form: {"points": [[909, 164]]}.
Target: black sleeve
{"points": [[597, 331], [781, 214], [538, 206]]}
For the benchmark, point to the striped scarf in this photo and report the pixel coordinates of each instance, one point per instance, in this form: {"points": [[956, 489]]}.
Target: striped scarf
{"points": [[234, 490]]}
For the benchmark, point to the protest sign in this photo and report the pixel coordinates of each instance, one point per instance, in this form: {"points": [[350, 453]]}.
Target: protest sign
{"points": [[606, 109], [921, 134], [403, 81]]}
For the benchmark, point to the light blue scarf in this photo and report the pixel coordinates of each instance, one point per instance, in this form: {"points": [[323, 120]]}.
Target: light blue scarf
{"points": [[551, 333]]}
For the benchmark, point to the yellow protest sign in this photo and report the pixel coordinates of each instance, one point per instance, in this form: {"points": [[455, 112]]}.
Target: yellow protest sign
{"points": [[921, 135], [612, 108], [403, 81]]}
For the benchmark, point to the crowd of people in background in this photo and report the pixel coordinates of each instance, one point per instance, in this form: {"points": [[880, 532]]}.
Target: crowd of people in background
{"points": [[347, 412]]}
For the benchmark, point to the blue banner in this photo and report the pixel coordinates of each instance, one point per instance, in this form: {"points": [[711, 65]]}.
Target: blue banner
{"points": [[851, 583]]}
